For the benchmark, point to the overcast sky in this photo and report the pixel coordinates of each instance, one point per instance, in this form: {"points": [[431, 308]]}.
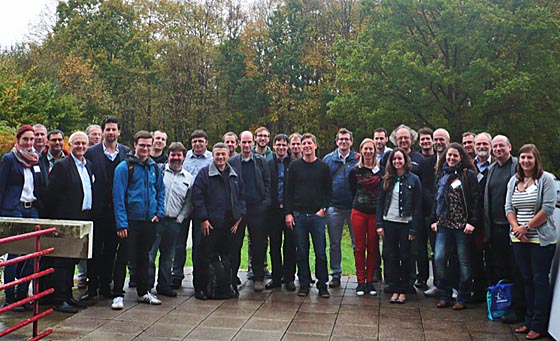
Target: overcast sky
{"points": [[19, 17]]}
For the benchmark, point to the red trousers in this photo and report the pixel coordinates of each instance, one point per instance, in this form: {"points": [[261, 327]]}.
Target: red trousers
{"points": [[366, 238]]}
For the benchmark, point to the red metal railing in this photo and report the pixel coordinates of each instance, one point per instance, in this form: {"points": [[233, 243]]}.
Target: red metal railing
{"points": [[36, 294]]}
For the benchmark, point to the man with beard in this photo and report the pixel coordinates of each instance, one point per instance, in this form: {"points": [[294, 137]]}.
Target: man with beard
{"points": [[178, 186], [232, 141], [482, 161], [54, 151], [104, 158], [262, 137], [380, 138]]}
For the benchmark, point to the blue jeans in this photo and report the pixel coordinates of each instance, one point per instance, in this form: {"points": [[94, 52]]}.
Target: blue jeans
{"points": [[22, 269], [180, 254], [451, 242], [311, 224], [335, 219], [166, 235], [534, 262]]}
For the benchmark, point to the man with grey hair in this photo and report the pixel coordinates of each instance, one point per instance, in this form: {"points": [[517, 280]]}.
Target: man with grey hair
{"points": [[404, 137], [93, 132], [40, 137]]}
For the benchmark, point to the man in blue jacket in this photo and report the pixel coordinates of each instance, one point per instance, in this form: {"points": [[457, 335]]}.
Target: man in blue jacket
{"points": [[340, 162], [139, 202]]}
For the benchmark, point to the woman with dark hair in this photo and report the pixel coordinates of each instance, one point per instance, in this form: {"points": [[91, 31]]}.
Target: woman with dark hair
{"points": [[530, 201], [19, 174], [365, 180], [455, 218], [399, 211]]}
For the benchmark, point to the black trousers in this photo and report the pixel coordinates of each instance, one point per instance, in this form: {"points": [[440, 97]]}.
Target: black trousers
{"points": [[63, 278], [100, 267], [218, 242], [255, 221], [141, 236], [119, 263], [501, 264], [281, 270]]}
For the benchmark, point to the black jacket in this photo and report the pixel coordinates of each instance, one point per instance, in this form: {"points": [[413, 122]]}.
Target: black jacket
{"points": [[65, 191], [209, 201], [261, 173], [273, 168]]}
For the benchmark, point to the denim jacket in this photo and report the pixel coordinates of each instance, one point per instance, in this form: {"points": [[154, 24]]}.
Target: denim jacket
{"points": [[410, 201]]}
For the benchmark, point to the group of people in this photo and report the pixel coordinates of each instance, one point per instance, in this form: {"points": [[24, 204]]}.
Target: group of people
{"points": [[486, 213]]}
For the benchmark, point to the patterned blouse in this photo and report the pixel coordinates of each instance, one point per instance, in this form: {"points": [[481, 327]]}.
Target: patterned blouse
{"points": [[456, 217]]}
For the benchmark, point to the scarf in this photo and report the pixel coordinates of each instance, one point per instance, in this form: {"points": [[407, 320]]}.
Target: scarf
{"points": [[449, 174], [27, 159]]}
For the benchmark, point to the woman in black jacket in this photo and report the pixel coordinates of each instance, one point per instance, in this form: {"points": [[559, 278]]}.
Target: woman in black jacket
{"points": [[455, 218]]}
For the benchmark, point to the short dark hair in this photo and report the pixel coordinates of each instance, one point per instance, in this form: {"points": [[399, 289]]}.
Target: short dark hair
{"points": [[425, 131], [468, 133], [280, 137], [110, 120], [220, 145], [199, 133], [177, 146], [381, 130], [466, 161], [142, 134], [54, 132]]}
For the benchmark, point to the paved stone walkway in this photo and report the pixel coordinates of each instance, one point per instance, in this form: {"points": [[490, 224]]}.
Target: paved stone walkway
{"points": [[274, 315]]}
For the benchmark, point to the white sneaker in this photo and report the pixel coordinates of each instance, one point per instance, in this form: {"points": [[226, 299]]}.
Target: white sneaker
{"points": [[149, 298], [118, 303], [431, 292]]}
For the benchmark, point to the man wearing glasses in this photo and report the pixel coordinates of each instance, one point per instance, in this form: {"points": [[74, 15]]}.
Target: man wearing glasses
{"points": [[262, 137], [139, 202], [197, 158]]}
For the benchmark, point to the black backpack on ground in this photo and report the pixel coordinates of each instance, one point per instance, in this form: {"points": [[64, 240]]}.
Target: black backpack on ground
{"points": [[219, 279]]}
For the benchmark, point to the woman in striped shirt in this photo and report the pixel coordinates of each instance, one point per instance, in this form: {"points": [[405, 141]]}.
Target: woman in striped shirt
{"points": [[530, 201]]}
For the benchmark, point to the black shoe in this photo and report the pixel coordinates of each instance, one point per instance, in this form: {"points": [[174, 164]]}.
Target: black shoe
{"points": [[324, 292], [290, 286], [77, 304], [177, 283], [65, 308], [334, 283], [303, 291], [272, 285], [88, 297], [200, 295], [168, 293], [511, 317]]}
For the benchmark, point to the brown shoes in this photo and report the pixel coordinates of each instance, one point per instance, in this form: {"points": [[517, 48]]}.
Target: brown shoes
{"points": [[459, 306], [443, 304], [522, 330], [533, 335]]}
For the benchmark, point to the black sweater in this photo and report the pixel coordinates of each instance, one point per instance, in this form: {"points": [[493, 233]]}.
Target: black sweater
{"points": [[309, 186]]}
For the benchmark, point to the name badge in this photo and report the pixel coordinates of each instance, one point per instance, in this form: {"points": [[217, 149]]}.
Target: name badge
{"points": [[479, 177], [37, 169], [375, 170], [455, 184]]}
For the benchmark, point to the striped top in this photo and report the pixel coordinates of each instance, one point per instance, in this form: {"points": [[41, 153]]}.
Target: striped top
{"points": [[524, 204]]}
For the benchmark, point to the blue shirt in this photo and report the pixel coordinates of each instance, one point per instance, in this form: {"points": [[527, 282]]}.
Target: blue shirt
{"points": [[86, 182], [110, 156], [194, 163], [280, 182], [481, 166]]}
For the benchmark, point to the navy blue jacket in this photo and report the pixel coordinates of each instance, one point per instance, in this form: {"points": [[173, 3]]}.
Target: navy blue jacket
{"points": [[11, 182], [209, 201], [410, 201], [262, 175], [273, 168]]}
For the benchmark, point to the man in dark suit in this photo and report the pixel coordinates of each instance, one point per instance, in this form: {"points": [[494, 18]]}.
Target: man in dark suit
{"points": [[104, 158], [69, 194]]}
